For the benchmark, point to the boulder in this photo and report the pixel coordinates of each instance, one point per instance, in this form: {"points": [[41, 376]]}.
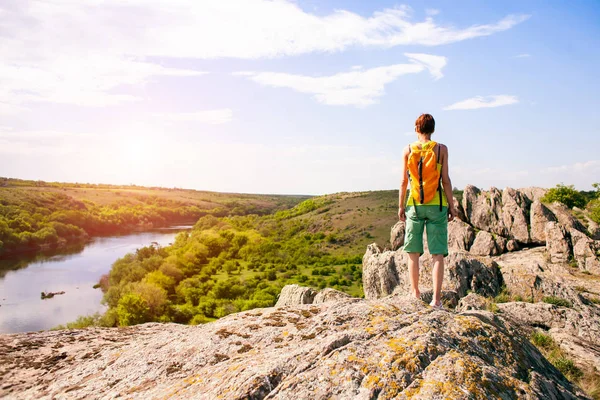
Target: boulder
{"points": [[292, 295], [484, 245], [557, 242], [512, 245], [390, 348], [515, 215], [460, 236], [464, 273], [565, 218], [472, 301], [483, 210], [459, 210], [540, 215], [533, 193], [397, 235], [586, 252], [329, 294], [380, 274]]}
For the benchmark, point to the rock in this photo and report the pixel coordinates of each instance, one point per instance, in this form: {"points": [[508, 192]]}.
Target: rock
{"points": [[292, 295], [391, 348], [483, 210], [397, 235], [502, 244], [565, 218], [512, 245], [484, 245], [472, 301], [460, 236], [556, 242], [577, 327], [533, 193], [586, 252], [515, 215], [327, 295], [380, 275], [387, 272], [459, 210], [465, 273], [540, 215]]}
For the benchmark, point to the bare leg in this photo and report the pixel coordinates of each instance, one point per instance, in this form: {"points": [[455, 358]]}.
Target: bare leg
{"points": [[413, 274], [438, 277]]}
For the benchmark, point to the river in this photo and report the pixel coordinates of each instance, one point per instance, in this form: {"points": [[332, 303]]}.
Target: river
{"points": [[23, 278]]}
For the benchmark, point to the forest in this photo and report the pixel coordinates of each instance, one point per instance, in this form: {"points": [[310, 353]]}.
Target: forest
{"points": [[40, 216]]}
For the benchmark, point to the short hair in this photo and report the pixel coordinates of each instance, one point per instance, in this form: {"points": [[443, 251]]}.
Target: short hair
{"points": [[425, 124]]}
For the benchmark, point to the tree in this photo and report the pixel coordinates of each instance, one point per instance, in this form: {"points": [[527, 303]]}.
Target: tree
{"points": [[132, 309], [566, 195]]}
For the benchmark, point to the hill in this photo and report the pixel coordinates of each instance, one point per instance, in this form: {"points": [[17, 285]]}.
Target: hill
{"points": [[39, 216]]}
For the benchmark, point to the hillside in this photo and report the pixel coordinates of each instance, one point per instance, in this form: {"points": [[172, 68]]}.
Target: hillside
{"points": [[41, 216]]}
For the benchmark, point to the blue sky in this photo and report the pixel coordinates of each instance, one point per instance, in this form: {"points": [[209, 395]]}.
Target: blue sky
{"points": [[308, 97]]}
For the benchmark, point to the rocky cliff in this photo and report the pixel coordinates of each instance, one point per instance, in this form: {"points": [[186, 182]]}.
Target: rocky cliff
{"points": [[322, 345]]}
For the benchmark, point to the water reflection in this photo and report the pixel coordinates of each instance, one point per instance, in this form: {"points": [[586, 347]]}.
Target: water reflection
{"points": [[75, 272]]}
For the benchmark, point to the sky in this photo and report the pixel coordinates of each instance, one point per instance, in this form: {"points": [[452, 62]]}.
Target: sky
{"points": [[298, 97]]}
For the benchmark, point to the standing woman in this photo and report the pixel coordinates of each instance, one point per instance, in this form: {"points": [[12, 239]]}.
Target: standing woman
{"points": [[425, 167]]}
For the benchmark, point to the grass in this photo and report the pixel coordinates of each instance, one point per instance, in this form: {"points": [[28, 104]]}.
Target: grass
{"points": [[550, 349], [557, 301]]}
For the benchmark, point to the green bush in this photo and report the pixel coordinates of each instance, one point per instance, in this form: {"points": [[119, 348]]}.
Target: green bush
{"points": [[542, 341], [566, 195]]}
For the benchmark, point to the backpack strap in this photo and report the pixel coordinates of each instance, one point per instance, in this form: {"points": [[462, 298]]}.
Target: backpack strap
{"points": [[409, 179], [440, 181]]}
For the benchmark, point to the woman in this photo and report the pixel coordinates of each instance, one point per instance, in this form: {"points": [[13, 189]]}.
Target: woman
{"points": [[425, 167]]}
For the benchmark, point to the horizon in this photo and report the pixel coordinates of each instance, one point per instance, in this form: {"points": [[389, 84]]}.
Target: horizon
{"points": [[136, 186], [290, 97]]}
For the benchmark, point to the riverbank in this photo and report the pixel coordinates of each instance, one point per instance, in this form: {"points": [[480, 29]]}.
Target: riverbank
{"points": [[74, 272]]}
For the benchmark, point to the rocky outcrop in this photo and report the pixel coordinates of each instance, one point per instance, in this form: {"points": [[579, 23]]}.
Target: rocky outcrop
{"points": [[327, 295], [564, 217], [574, 328], [540, 215], [391, 348], [380, 274], [460, 236], [515, 215], [294, 295], [557, 243], [534, 193], [464, 273], [397, 235], [585, 251], [472, 301], [484, 245], [483, 210], [387, 272]]}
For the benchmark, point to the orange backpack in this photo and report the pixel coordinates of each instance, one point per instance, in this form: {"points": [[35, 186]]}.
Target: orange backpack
{"points": [[423, 175]]}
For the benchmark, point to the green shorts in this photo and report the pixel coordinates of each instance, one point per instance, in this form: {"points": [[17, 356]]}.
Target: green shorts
{"points": [[435, 221]]}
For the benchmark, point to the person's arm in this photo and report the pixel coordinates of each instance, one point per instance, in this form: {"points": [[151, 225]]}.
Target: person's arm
{"points": [[447, 184], [403, 185]]}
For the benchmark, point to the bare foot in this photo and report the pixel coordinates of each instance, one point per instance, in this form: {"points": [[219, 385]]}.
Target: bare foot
{"points": [[416, 294]]}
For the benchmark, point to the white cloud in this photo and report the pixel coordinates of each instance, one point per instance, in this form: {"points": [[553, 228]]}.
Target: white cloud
{"points": [[524, 55], [588, 166], [433, 63], [213, 117], [357, 87], [432, 11], [483, 102], [87, 52]]}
